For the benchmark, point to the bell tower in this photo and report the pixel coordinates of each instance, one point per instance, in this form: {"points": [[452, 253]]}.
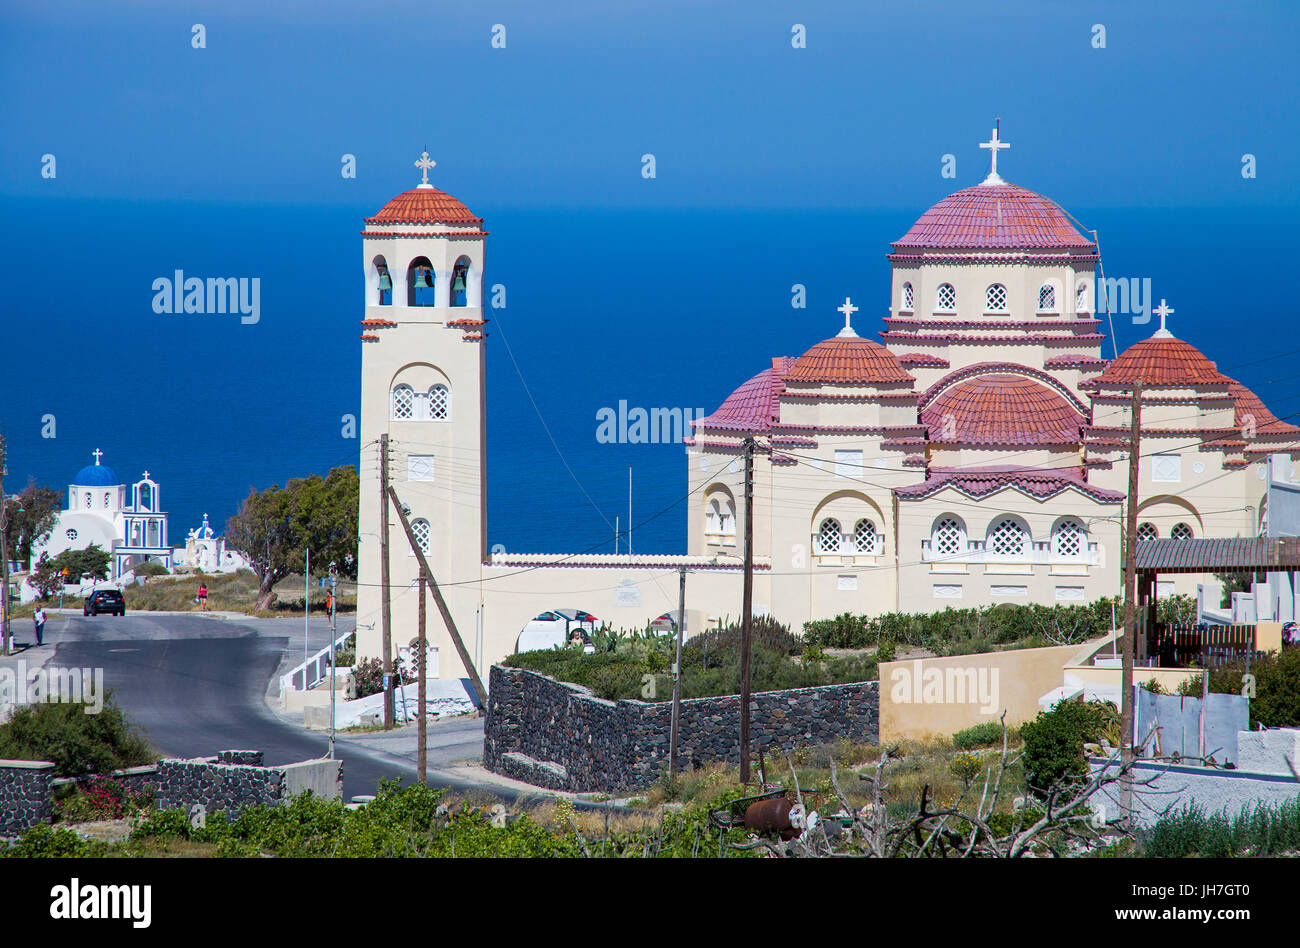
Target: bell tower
{"points": [[422, 384]]}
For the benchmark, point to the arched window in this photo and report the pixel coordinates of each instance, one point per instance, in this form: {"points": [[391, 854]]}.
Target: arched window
{"points": [[995, 298], [1008, 539], [421, 282], [945, 300], [1181, 531], [1147, 531], [107, 499], [460, 282], [829, 536], [907, 297], [90, 501], [421, 530], [1082, 301], [865, 537], [146, 498], [1069, 540], [440, 403], [385, 282], [1047, 298], [948, 537], [403, 408]]}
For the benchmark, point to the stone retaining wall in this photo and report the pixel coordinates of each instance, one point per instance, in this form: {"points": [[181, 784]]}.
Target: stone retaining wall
{"points": [[24, 794], [562, 737]]}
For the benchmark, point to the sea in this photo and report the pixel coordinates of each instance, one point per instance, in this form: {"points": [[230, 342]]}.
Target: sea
{"points": [[668, 308]]}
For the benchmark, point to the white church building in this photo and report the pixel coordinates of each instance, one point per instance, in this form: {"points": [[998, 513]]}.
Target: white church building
{"points": [[126, 520], [976, 454]]}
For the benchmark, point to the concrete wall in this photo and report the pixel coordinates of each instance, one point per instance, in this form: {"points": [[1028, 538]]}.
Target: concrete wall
{"points": [[935, 697], [1174, 787], [562, 737]]}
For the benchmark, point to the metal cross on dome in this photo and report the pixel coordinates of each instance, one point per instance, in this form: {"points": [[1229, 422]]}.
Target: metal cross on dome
{"points": [[1163, 310], [98, 454], [848, 309], [425, 163], [995, 146]]}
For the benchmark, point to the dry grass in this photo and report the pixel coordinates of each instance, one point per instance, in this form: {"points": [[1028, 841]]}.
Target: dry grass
{"points": [[230, 592]]}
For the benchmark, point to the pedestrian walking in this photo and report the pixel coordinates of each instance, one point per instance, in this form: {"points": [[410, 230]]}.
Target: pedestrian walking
{"points": [[203, 595], [38, 619]]}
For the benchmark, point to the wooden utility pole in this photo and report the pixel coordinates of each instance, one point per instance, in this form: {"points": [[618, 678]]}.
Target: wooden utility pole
{"points": [[441, 603], [422, 727], [385, 600], [677, 678], [5, 638], [1130, 587], [747, 609]]}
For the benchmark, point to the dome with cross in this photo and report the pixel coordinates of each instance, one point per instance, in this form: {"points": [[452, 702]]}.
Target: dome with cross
{"points": [[424, 204], [96, 475]]}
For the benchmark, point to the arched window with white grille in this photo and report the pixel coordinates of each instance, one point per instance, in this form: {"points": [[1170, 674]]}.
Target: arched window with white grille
{"points": [[403, 403], [720, 517], [865, 537], [948, 537], [421, 530], [440, 403], [1147, 531], [1082, 298], [1181, 531], [945, 299], [1047, 298], [1069, 540], [1008, 539], [829, 536], [995, 298], [908, 297]]}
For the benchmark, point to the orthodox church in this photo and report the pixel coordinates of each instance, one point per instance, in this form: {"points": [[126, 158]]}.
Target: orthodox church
{"points": [[126, 520], [977, 453]]}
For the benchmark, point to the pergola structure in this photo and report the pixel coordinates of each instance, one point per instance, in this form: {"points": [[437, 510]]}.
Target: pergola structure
{"points": [[1235, 555]]}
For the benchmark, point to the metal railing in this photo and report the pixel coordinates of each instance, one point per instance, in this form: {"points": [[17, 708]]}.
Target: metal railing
{"points": [[1178, 646], [1039, 554], [307, 675]]}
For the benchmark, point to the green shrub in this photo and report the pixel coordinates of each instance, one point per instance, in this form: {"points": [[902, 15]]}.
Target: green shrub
{"points": [[886, 651], [1264, 830], [1054, 742], [44, 842], [965, 767], [1277, 687], [77, 743], [984, 734], [369, 676]]}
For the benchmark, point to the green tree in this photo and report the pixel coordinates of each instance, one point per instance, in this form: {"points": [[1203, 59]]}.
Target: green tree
{"points": [[30, 515], [91, 563], [275, 527]]}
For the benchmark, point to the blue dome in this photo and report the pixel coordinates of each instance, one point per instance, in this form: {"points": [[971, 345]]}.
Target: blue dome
{"points": [[96, 475]]}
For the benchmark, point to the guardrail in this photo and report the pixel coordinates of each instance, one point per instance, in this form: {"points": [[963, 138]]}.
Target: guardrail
{"points": [[307, 675]]}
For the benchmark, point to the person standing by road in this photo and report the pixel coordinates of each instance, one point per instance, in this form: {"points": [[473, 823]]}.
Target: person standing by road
{"points": [[38, 619], [203, 596]]}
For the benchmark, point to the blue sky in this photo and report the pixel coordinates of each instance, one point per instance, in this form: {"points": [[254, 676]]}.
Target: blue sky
{"points": [[733, 114]]}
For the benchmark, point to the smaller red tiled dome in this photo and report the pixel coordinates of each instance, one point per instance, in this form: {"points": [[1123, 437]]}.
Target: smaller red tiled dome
{"points": [[1161, 361], [424, 206], [1001, 409], [848, 360], [1249, 409], [755, 405]]}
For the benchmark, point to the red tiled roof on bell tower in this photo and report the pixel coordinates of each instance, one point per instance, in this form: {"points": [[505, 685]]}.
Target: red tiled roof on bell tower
{"points": [[424, 205]]}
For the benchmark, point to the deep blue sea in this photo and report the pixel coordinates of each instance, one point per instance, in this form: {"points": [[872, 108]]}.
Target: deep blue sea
{"points": [[661, 308]]}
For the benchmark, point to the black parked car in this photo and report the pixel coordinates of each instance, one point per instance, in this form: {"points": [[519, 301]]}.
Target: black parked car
{"points": [[104, 600]]}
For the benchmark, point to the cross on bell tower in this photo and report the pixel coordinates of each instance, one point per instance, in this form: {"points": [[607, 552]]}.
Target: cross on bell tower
{"points": [[424, 164], [994, 146]]}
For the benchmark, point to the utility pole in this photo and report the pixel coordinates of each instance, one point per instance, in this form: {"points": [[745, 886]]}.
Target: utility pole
{"points": [[334, 610], [422, 727], [5, 639], [677, 678], [1130, 588], [746, 611], [385, 600], [441, 603]]}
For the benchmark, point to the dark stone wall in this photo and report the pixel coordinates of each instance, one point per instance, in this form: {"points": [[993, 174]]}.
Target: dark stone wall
{"points": [[24, 796], [595, 745]]}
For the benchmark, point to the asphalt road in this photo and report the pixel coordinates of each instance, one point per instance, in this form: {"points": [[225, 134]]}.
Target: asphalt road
{"points": [[197, 685]]}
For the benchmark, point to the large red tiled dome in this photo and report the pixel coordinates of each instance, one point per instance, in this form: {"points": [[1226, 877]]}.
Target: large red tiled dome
{"points": [[424, 206], [1160, 361], [994, 216], [1001, 409], [848, 360]]}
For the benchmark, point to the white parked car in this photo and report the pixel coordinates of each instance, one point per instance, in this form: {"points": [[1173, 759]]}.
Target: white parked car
{"points": [[557, 627]]}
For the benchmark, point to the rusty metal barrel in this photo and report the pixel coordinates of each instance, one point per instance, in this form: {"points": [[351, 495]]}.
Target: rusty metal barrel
{"points": [[768, 817]]}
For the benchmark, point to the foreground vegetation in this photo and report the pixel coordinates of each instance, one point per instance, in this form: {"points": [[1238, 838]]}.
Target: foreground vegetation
{"points": [[77, 743]]}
